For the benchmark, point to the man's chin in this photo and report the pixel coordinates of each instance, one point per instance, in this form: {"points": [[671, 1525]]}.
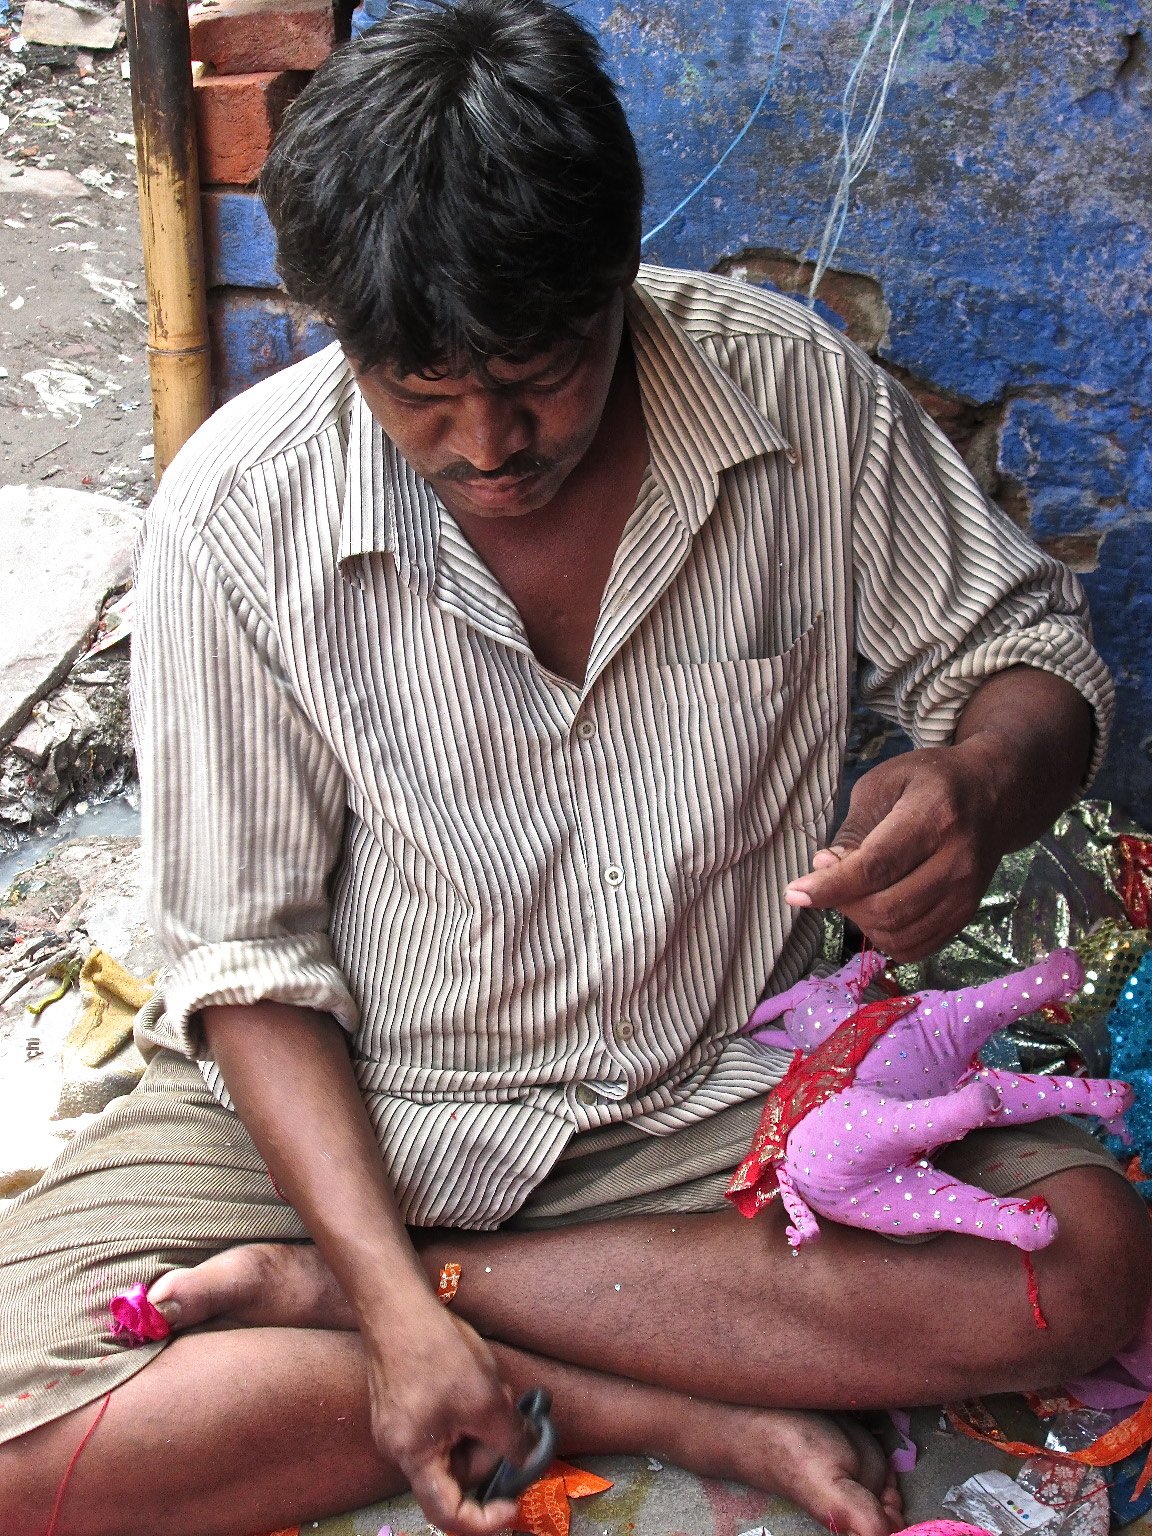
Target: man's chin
{"points": [[510, 496]]}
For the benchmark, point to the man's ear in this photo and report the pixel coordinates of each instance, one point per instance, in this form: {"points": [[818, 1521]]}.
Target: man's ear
{"points": [[634, 265]]}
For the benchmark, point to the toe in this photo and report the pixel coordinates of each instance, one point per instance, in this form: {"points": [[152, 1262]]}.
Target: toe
{"points": [[191, 1297], [854, 1511]]}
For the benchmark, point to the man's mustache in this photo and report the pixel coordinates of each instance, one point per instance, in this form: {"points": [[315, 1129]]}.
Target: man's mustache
{"points": [[519, 465]]}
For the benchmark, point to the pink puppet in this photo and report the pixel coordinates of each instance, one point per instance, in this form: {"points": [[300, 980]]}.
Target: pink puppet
{"points": [[873, 1090]]}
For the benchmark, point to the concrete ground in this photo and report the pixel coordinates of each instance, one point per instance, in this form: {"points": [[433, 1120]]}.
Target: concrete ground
{"points": [[644, 1501]]}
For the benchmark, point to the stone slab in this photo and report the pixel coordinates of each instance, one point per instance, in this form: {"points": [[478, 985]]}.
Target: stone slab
{"points": [[239, 37], [31, 180], [65, 27], [237, 117], [61, 553], [239, 241]]}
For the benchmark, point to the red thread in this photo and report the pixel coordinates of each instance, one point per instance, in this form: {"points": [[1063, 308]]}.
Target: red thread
{"points": [[54, 1517], [1033, 1291]]}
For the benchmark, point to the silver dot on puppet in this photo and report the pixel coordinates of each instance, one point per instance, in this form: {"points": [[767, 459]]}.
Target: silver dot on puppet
{"points": [[979, 1223], [1026, 994], [980, 1003], [899, 1178]]}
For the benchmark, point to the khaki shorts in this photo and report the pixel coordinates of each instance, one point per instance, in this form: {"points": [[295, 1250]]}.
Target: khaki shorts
{"points": [[168, 1177]]}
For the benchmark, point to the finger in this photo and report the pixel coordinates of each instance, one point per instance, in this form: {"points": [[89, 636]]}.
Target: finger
{"points": [[891, 851], [918, 914], [447, 1506]]}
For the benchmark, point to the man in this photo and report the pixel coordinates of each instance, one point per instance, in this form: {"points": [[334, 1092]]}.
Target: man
{"points": [[492, 689]]}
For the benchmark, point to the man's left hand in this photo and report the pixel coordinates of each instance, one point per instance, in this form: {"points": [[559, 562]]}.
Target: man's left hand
{"points": [[915, 852]]}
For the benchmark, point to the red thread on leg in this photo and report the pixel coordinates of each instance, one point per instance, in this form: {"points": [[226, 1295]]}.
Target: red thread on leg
{"points": [[54, 1517], [1033, 1292]]}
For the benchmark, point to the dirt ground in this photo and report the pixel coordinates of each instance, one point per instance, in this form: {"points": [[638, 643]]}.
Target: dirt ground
{"points": [[75, 408]]}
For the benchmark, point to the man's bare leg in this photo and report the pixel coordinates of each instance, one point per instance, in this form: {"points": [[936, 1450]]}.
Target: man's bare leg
{"points": [[718, 1306], [271, 1415], [253, 1428]]}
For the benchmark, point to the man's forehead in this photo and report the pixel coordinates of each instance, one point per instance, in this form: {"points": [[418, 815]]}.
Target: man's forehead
{"points": [[460, 374]]}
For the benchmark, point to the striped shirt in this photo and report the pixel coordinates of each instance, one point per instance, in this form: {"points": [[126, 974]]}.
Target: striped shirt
{"points": [[539, 907]]}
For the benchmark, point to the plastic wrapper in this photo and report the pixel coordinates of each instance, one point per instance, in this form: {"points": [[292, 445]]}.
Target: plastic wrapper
{"points": [[998, 1503], [1061, 890]]}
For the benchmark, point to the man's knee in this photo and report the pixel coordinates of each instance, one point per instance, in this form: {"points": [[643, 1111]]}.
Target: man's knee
{"points": [[1095, 1282]]}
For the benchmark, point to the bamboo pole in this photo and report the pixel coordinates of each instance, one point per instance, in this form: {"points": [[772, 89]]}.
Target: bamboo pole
{"points": [[168, 178]]}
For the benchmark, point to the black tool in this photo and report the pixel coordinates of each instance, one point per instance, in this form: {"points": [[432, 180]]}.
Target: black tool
{"points": [[509, 1480]]}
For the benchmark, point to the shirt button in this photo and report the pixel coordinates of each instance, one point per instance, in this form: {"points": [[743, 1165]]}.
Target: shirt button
{"points": [[614, 876], [586, 729], [584, 1094], [625, 1030]]}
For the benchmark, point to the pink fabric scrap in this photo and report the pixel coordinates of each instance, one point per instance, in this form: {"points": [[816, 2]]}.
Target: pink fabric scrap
{"points": [[135, 1320], [944, 1528]]}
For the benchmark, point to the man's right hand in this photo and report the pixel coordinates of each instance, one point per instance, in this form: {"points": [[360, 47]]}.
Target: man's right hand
{"points": [[441, 1413]]}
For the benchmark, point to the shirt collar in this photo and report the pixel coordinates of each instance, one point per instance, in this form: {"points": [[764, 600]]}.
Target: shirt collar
{"points": [[699, 424], [699, 421]]}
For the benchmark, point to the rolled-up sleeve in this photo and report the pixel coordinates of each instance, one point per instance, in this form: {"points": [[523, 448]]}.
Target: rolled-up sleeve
{"points": [[242, 800], [948, 590]]}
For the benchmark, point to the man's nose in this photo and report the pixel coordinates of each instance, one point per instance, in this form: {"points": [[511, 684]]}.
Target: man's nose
{"points": [[490, 427]]}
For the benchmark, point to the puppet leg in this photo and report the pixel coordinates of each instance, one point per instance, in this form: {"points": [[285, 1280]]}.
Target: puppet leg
{"points": [[921, 1198], [803, 1228], [952, 1026], [1023, 1098], [860, 1159]]}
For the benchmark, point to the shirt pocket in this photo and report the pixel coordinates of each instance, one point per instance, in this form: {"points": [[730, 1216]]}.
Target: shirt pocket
{"points": [[746, 755]]}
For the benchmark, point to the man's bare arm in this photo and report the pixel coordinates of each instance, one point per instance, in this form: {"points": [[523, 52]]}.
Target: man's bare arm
{"points": [[433, 1383], [925, 831]]}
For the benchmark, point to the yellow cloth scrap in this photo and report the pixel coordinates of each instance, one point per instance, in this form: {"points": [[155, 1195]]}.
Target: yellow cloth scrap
{"points": [[112, 999]]}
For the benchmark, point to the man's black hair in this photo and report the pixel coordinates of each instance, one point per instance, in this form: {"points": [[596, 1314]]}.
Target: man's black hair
{"points": [[459, 185]]}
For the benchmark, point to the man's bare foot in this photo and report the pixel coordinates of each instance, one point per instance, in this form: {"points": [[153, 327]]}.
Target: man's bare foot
{"points": [[255, 1285], [831, 1467]]}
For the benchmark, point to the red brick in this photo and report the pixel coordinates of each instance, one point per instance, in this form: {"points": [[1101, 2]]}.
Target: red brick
{"points": [[241, 37], [237, 117]]}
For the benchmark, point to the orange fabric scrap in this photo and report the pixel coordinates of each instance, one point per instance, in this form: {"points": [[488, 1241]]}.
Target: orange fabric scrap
{"points": [[448, 1283], [974, 1420], [544, 1508]]}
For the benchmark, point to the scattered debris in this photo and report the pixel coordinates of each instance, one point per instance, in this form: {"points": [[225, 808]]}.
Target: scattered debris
{"points": [[113, 291], [62, 394]]}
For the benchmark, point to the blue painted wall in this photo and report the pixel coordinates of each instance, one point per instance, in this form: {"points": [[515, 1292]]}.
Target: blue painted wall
{"points": [[997, 251], [1006, 216]]}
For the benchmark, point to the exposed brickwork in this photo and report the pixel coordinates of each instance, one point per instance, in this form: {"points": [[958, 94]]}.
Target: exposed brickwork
{"points": [[260, 36], [237, 117]]}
